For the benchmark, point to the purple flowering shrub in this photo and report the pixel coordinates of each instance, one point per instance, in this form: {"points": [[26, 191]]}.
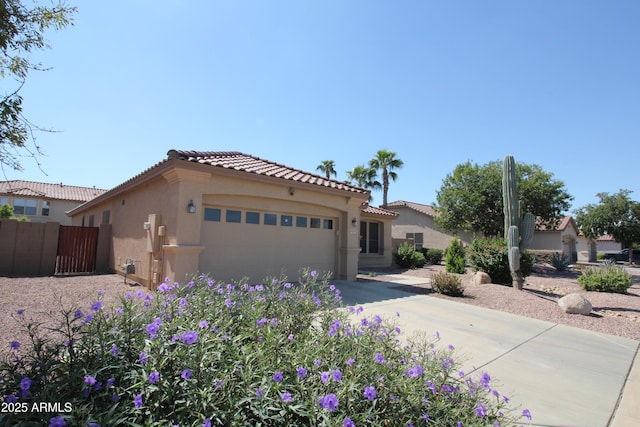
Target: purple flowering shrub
{"points": [[210, 353]]}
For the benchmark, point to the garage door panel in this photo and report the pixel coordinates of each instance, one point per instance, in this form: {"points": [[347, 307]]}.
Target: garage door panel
{"points": [[234, 251]]}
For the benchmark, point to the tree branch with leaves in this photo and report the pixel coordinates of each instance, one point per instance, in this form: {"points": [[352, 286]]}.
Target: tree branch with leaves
{"points": [[22, 31]]}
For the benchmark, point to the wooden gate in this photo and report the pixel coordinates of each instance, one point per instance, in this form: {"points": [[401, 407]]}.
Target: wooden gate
{"points": [[77, 249]]}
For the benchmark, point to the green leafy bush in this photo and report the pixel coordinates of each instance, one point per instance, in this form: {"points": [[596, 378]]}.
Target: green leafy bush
{"points": [[210, 353], [447, 284], [455, 257], [407, 257], [560, 262], [433, 255], [490, 255], [608, 278]]}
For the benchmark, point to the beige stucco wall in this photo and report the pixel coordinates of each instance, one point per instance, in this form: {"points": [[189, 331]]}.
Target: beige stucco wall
{"points": [[228, 251], [562, 241], [608, 246], [411, 221]]}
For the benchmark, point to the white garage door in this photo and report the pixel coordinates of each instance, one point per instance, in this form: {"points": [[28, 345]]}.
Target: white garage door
{"points": [[244, 243]]}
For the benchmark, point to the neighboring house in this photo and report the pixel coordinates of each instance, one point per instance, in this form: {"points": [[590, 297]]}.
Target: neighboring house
{"points": [[42, 202], [562, 239], [607, 243], [416, 225], [233, 215]]}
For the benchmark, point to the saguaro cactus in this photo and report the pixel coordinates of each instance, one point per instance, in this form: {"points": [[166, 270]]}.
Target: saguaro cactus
{"points": [[518, 229]]}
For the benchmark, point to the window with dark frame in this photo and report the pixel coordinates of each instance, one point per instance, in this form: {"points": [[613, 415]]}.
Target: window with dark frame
{"points": [[212, 214], [252, 218], [234, 216], [301, 221], [270, 219], [315, 223], [286, 220]]}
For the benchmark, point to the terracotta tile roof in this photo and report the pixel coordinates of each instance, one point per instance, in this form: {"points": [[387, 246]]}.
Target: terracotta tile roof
{"points": [[251, 164], [606, 238], [566, 221], [44, 190], [425, 209], [379, 211]]}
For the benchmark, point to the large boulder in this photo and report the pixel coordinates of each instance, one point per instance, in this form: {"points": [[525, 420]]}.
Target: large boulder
{"points": [[480, 278], [575, 304]]}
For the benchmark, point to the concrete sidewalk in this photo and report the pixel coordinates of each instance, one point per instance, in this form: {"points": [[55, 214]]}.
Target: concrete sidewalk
{"points": [[565, 376]]}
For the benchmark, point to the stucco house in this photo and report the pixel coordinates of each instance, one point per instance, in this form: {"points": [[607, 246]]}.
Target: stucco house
{"points": [[43, 202], [562, 239], [234, 215], [416, 224]]}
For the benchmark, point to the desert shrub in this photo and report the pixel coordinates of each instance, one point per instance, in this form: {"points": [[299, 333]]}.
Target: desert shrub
{"points": [[490, 255], [608, 278], [213, 353], [455, 257], [407, 257], [560, 262], [432, 255], [447, 284]]}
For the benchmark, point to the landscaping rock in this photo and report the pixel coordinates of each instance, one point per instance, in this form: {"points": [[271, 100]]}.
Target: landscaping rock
{"points": [[481, 278], [575, 304]]}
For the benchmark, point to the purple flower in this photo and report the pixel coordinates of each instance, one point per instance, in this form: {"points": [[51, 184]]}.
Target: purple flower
{"points": [[88, 379], [189, 337], [259, 393], [379, 358], [137, 401], [314, 273], [484, 380], [348, 423], [290, 337], [526, 413], [277, 377], [370, 393], [207, 422], [228, 302], [286, 397], [15, 345], [480, 410], [350, 362], [143, 358], [203, 324], [57, 422], [186, 374], [302, 372], [154, 377], [96, 306], [324, 377], [415, 372], [110, 382], [154, 327], [11, 399], [329, 402], [78, 314], [261, 322], [21, 312], [337, 375], [114, 350]]}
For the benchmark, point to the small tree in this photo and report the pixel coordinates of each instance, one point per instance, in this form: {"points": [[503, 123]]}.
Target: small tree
{"points": [[455, 257], [328, 167], [386, 161]]}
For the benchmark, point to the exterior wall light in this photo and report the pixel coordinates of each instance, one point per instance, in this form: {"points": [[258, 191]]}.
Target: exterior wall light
{"points": [[191, 208], [354, 222]]}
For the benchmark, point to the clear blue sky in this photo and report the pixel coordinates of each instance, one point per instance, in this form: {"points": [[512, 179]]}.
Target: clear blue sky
{"points": [[555, 83]]}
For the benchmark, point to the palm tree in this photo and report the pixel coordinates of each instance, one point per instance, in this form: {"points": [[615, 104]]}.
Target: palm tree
{"points": [[386, 161], [364, 177], [328, 167]]}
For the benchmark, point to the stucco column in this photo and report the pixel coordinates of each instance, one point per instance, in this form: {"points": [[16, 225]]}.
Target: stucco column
{"points": [[350, 240], [183, 246]]}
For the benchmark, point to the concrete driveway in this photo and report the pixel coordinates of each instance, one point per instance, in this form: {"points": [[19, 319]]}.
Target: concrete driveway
{"points": [[565, 376]]}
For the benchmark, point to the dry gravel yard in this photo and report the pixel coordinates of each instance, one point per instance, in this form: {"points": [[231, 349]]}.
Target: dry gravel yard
{"points": [[617, 314]]}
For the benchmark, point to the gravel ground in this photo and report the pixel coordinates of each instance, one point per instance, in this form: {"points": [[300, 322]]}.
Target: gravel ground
{"points": [[616, 314], [43, 298]]}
